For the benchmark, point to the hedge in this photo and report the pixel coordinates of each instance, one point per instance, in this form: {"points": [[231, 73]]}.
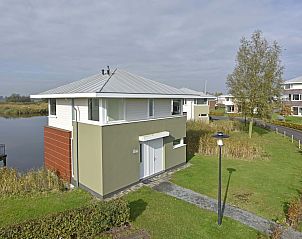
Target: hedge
{"points": [[85, 222], [287, 124]]}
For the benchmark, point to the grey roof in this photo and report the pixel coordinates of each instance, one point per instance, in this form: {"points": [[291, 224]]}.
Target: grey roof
{"points": [[194, 92], [119, 81], [294, 80]]}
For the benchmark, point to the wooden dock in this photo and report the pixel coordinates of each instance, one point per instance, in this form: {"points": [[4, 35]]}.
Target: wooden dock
{"points": [[3, 154]]}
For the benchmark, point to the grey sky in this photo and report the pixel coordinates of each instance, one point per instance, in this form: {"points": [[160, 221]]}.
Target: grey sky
{"points": [[44, 44]]}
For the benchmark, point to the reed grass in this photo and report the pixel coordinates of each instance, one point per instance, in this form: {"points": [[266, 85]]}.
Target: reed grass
{"points": [[14, 183], [200, 140], [11, 109]]}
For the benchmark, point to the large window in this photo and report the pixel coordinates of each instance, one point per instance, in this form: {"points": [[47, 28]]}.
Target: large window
{"points": [[115, 109], [93, 109], [151, 107], [53, 107], [176, 107], [200, 101], [296, 97]]}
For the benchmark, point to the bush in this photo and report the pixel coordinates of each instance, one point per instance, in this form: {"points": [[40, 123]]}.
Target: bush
{"points": [[199, 140], [294, 212], [287, 124], [85, 222], [14, 183]]}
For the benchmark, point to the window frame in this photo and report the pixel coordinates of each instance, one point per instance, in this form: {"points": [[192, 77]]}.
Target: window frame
{"points": [[52, 102], [293, 97], [153, 108], [179, 144], [180, 107], [124, 111], [90, 109]]}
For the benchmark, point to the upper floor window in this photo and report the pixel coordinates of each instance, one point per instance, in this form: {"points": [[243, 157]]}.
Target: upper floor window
{"points": [[53, 107], [296, 97], [176, 107], [115, 109], [287, 86], [200, 101], [93, 109], [185, 101], [151, 107]]}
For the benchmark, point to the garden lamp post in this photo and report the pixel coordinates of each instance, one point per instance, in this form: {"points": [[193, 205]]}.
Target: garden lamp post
{"points": [[220, 136]]}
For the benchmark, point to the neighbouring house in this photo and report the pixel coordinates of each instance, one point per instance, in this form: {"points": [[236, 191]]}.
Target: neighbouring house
{"points": [[292, 95], [196, 108], [227, 101], [111, 130]]}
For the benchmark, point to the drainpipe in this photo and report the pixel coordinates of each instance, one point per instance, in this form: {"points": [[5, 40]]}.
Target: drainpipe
{"points": [[77, 144]]}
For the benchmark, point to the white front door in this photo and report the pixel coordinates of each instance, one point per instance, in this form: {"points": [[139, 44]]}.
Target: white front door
{"points": [[151, 157]]}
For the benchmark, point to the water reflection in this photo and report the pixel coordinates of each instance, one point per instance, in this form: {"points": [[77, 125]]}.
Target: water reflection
{"points": [[23, 138]]}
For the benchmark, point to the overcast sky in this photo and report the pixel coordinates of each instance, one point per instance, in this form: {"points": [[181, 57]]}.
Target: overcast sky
{"points": [[44, 44]]}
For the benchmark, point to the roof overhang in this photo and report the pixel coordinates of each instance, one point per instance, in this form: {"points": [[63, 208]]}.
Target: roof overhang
{"points": [[113, 95], [148, 137]]}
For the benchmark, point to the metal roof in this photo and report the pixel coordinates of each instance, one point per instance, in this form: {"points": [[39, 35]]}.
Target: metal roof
{"points": [[119, 81], [194, 92], [294, 80]]}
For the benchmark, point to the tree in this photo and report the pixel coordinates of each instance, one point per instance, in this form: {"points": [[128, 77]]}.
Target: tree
{"points": [[17, 98], [256, 81]]}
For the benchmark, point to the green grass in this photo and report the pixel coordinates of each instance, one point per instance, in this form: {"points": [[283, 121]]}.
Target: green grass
{"points": [[259, 186], [17, 209], [166, 217], [293, 119]]}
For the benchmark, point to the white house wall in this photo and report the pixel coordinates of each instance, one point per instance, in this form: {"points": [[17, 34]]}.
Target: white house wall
{"points": [[63, 117]]}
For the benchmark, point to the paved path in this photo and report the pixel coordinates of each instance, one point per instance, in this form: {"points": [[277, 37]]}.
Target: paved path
{"points": [[202, 201]]}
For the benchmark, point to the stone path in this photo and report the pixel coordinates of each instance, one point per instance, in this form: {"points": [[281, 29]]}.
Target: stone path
{"points": [[247, 218]]}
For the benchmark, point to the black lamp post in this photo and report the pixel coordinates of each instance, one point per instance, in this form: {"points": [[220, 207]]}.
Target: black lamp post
{"points": [[220, 136]]}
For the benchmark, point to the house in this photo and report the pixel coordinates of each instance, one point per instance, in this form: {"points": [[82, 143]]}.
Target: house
{"points": [[113, 129], [292, 95], [227, 101], [196, 108]]}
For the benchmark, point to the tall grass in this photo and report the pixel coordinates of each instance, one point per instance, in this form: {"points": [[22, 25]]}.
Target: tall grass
{"points": [[23, 109], [200, 140], [14, 183]]}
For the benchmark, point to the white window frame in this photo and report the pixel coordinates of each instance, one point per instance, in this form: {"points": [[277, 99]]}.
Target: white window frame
{"points": [[115, 121], [50, 114], [153, 108], [181, 143], [299, 96]]}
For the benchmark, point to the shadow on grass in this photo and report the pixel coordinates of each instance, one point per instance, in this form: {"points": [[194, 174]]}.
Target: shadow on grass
{"points": [[231, 170], [137, 207]]}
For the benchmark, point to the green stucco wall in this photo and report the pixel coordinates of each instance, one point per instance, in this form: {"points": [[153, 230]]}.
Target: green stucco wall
{"points": [[121, 167], [90, 156]]}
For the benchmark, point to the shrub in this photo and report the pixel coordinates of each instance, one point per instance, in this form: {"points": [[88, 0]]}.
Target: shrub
{"points": [[199, 140], [85, 222], [288, 124], [14, 183], [294, 213]]}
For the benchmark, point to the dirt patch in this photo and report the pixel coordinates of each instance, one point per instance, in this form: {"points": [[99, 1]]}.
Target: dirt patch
{"points": [[127, 232], [242, 197]]}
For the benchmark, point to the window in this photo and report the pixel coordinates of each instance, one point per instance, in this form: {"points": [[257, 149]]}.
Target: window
{"points": [[295, 110], [93, 109], [115, 109], [200, 101], [176, 107], [202, 115], [227, 98], [185, 101], [178, 142], [296, 97], [151, 107], [140, 153], [53, 107], [287, 86]]}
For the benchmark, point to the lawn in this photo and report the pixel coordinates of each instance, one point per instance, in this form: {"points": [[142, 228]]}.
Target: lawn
{"points": [[260, 186], [166, 217], [17, 209], [293, 119]]}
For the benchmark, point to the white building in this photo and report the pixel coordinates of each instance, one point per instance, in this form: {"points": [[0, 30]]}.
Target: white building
{"points": [[292, 95], [228, 102], [196, 108]]}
